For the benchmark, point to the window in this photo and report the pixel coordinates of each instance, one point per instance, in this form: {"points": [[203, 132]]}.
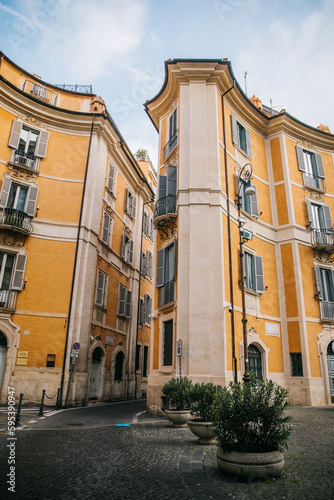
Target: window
{"points": [[141, 314], [241, 136], [296, 364], [321, 225], [253, 269], [18, 197], [106, 228], [146, 264], [248, 203], [127, 248], [112, 178], [166, 273], [101, 288], [254, 358], [130, 204], [119, 366], [124, 302], [312, 167], [12, 269], [148, 226], [50, 360], [167, 192], [145, 362], [28, 144], [325, 291], [167, 358], [148, 308], [172, 138], [138, 352]]}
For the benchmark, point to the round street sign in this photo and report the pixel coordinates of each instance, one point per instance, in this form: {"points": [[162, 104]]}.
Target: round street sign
{"points": [[76, 346]]}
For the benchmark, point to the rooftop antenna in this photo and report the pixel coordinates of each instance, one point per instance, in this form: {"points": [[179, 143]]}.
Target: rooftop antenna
{"points": [[273, 107], [245, 77]]}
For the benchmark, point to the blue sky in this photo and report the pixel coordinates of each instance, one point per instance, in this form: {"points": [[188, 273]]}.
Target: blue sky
{"points": [[119, 46]]}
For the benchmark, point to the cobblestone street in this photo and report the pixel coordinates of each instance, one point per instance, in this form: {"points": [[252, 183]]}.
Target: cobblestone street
{"points": [[151, 460]]}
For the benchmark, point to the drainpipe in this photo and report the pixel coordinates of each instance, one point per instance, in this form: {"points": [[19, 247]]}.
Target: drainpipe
{"points": [[234, 359], [75, 266]]}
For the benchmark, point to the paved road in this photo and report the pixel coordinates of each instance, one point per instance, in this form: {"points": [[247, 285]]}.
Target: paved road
{"points": [[150, 460]]}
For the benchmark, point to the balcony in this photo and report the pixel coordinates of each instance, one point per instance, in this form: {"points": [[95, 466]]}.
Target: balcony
{"points": [[8, 299], [165, 205], [313, 182], [24, 160], [321, 239], [42, 93], [15, 220], [170, 145], [166, 293], [326, 310]]}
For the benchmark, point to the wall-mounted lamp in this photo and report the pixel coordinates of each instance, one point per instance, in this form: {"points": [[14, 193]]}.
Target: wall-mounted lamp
{"points": [[24, 284]]}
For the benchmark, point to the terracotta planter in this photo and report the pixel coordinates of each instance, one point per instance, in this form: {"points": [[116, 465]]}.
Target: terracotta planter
{"points": [[203, 430], [179, 418], [251, 465]]}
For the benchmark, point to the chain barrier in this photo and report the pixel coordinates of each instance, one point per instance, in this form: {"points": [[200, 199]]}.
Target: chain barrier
{"points": [[43, 405]]}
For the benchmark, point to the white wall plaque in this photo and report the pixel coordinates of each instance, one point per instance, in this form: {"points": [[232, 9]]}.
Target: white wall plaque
{"points": [[273, 329]]}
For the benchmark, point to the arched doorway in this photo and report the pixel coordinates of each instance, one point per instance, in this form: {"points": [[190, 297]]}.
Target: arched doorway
{"points": [[3, 352], [330, 360], [119, 360], [254, 360], [95, 373], [118, 389]]}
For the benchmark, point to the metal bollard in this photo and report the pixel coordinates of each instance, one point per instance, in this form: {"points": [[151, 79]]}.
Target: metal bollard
{"points": [[42, 404], [18, 413]]}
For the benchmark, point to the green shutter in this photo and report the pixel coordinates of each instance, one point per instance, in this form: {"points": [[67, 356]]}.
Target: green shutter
{"points": [[121, 301], [161, 268], [171, 180], [300, 158]]}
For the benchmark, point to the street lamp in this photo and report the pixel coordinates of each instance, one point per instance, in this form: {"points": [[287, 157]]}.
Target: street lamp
{"points": [[244, 176]]}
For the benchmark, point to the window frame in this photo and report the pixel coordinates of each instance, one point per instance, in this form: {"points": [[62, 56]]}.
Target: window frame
{"points": [[256, 263], [104, 288], [246, 145], [124, 302]]}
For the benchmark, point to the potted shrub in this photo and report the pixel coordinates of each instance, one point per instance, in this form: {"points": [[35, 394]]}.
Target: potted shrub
{"points": [[178, 392], [202, 398], [252, 428]]}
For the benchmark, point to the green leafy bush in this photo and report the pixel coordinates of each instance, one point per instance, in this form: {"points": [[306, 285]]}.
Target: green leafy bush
{"points": [[202, 397], [178, 392], [249, 417]]}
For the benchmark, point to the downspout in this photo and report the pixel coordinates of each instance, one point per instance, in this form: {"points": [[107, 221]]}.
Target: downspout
{"points": [[234, 359], [75, 265]]}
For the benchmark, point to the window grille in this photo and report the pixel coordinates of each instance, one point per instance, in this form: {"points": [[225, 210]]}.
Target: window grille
{"points": [[168, 343], [296, 364]]}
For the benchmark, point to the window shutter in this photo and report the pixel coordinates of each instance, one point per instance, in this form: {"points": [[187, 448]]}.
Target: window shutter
{"points": [[123, 246], [141, 312], [254, 210], [143, 265], [320, 166], [309, 212], [328, 218], [248, 143], [42, 144], [151, 227], [162, 186], [5, 188], [101, 279], [300, 158], [318, 281], [148, 308], [235, 131], [111, 177], [173, 124], [161, 268], [171, 180], [127, 201], [173, 274], [18, 276], [31, 201], [106, 228], [15, 133], [133, 208], [130, 256], [128, 304], [121, 300], [259, 274], [149, 264]]}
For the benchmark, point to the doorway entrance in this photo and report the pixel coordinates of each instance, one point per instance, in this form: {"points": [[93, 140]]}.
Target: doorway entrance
{"points": [[95, 373], [330, 360]]}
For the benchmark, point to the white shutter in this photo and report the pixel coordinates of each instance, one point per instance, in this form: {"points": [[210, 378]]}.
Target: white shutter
{"points": [[42, 144], [123, 245], [318, 282], [111, 177], [5, 188], [259, 274], [127, 201], [320, 166], [130, 251], [309, 212], [134, 206], [31, 201], [248, 143], [121, 300], [15, 133], [254, 210], [300, 158], [328, 218], [128, 304], [106, 228], [18, 276], [235, 130]]}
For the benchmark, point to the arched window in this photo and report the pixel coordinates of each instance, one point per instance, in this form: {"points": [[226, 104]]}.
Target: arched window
{"points": [[254, 359], [119, 366]]}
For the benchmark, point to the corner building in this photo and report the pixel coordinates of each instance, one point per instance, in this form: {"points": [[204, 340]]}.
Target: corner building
{"points": [[71, 209], [208, 127]]}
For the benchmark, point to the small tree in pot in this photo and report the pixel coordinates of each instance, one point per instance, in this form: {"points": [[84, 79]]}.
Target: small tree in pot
{"points": [[252, 428], [178, 392], [202, 397]]}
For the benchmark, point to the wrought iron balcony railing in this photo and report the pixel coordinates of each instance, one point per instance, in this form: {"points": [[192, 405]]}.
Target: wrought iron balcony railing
{"points": [[170, 145], [326, 310], [27, 160], [16, 220], [40, 92], [8, 299], [166, 293], [322, 239], [165, 205], [313, 181]]}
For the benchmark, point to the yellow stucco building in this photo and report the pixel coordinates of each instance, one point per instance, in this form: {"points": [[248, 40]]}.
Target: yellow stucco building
{"points": [[75, 242], [210, 134]]}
